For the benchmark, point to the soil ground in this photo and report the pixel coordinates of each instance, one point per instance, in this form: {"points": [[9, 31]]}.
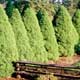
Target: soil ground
{"points": [[66, 61]]}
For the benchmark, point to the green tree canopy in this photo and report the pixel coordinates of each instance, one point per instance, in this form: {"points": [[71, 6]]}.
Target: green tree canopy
{"points": [[47, 29], [8, 49], [35, 35], [67, 36], [22, 41]]}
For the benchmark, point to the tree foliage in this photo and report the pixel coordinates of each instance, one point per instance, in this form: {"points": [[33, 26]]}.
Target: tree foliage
{"points": [[47, 29], [2, 1], [35, 35], [78, 4], [9, 8], [8, 49], [76, 22], [22, 41], [40, 1], [67, 3], [67, 36]]}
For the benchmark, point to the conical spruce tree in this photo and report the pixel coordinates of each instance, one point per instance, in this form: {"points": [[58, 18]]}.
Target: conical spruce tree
{"points": [[22, 41], [76, 22], [48, 34], [67, 36], [35, 35], [8, 49]]}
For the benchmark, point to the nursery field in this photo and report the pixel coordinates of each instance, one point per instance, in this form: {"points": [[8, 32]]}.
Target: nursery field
{"points": [[39, 32]]}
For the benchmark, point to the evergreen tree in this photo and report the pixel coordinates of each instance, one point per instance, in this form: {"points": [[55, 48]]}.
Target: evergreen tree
{"points": [[2, 1], [78, 4], [48, 34], [35, 35], [67, 36], [76, 22], [8, 49], [9, 8], [22, 40], [67, 3], [18, 4]]}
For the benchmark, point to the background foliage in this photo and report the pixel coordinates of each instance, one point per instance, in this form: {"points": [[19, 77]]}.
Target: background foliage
{"points": [[9, 8]]}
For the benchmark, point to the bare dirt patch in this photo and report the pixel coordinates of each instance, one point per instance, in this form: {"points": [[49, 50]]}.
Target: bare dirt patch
{"points": [[66, 61]]}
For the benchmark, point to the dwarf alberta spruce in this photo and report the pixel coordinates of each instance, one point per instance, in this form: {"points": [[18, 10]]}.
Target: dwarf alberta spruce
{"points": [[8, 49], [22, 41], [76, 22], [35, 35], [67, 36], [47, 30]]}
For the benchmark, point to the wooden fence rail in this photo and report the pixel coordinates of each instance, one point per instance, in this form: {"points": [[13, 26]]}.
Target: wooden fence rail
{"points": [[30, 68]]}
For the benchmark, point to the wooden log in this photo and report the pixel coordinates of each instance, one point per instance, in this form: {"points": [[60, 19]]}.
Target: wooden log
{"points": [[30, 68], [44, 65], [55, 74]]}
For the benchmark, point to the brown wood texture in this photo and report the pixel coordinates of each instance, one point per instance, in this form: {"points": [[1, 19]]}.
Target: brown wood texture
{"points": [[30, 68]]}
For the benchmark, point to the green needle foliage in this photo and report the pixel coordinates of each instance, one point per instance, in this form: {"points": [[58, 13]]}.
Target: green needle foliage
{"points": [[35, 35], [67, 36], [9, 8], [22, 41], [76, 22], [49, 34], [8, 49]]}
